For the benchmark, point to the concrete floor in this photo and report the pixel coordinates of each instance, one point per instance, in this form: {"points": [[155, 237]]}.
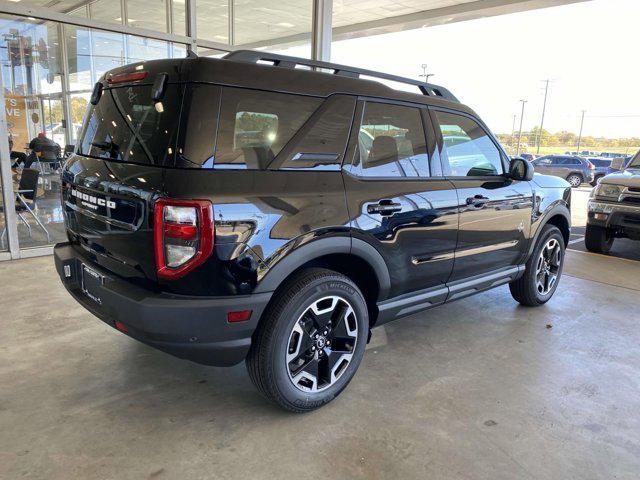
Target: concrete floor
{"points": [[478, 389]]}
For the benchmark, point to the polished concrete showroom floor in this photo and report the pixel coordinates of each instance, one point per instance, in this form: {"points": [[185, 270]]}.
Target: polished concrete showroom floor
{"points": [[478, 389]]}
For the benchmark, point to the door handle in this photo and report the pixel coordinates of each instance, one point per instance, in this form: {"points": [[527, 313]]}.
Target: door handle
{"points": [[477, 201], [384, 208]]}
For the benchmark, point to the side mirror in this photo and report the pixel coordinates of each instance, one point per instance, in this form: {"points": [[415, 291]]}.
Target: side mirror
{"points": [[520, 169]]}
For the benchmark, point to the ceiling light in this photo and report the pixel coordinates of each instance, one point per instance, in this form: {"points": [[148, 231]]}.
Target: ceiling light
{"points": [[285, 24]]}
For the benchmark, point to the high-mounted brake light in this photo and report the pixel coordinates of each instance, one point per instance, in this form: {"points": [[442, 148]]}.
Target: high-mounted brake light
{"points": [[183, 235], [126, 77]]}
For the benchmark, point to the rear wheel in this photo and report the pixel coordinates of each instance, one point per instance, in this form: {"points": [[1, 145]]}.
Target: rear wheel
{"points": [[575, 180], [542, 271], [311, 340], [598, 239]]}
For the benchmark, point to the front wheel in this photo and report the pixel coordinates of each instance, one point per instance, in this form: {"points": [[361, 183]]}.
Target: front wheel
{"points": [[574, 180], [598, 239], [311, 340], [542, 271]]}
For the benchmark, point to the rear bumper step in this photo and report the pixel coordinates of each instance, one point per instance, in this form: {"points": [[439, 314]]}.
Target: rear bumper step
{"points": [[194, 328]]}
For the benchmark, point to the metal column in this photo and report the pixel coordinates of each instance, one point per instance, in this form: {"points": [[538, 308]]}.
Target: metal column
{"points": [[321, 34]]}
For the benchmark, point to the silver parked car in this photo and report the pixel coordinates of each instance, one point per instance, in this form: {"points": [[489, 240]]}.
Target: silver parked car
{"points": [[614, 208]]}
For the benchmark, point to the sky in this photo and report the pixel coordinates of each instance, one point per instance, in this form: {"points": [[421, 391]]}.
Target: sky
{"points": [[589, 51]]}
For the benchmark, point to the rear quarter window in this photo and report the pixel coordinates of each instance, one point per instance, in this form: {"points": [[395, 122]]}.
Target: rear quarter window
{"points": [[255, 126]]}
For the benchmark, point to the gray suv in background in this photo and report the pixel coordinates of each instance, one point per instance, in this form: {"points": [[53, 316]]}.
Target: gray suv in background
{"points": [[575, 170]]}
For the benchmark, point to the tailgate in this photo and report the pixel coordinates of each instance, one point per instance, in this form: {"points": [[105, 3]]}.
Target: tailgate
{"points": [[108, 212]]}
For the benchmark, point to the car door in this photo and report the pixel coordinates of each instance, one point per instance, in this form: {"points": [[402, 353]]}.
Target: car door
{"points": [[543, 165], [398, 200], [494, 211]]}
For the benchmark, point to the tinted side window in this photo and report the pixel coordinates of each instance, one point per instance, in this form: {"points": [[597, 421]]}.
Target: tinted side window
{"points": [[255, 126], [391, 142], [321, 142], [469, 150]]}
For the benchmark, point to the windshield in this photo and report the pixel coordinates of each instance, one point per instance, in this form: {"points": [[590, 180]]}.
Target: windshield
{"points": [[635, 161]]}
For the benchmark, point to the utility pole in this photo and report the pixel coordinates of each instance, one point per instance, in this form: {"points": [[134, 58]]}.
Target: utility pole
{"points": [[544, 108], [513, 129], [580, 134], [520, 131], [425, 74]]}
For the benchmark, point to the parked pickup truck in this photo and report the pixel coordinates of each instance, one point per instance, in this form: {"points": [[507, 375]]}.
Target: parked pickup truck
{"points": [[614, 208]]}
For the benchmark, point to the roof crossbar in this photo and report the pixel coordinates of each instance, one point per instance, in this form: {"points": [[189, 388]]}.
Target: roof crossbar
{"points": [[252, 56]]}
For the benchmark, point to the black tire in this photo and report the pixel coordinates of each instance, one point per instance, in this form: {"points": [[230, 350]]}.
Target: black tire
{"points": [[525, 290], [595, 180], [575, 179], [598, 239], [268, 363]]}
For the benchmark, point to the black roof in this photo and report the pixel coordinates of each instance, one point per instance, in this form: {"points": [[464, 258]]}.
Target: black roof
{"points": [[241, 69]]}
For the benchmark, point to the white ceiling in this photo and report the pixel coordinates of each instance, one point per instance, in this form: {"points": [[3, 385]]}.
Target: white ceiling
{"points": [[264, 22]]}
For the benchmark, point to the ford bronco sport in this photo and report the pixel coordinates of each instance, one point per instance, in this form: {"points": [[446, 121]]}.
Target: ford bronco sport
{"points": [[274, 209]]}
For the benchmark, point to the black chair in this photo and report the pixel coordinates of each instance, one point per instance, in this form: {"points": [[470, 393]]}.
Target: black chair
{"points": [[49, 155], [26, 200]]}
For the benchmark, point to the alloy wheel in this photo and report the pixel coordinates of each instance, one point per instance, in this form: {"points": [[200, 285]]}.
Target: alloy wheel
{"points": [[574, 181], [548, 266], [321, 344]]}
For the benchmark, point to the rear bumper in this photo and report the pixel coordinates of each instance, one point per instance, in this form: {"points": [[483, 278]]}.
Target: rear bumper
{"points": [[625, 219], [194, 328]]}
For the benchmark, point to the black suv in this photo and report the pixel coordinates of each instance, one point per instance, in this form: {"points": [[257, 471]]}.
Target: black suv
{"points": [[275, 209]]}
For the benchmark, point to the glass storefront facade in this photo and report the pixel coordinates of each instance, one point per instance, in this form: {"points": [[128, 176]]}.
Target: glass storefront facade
{"points": [[49, 64], [48, 70]]}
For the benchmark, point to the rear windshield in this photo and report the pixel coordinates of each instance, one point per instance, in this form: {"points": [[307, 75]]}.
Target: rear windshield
{"points": [[127, 126], [206, 126]]}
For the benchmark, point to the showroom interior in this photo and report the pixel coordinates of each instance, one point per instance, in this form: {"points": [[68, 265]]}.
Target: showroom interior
{"points": [[480, 388]]}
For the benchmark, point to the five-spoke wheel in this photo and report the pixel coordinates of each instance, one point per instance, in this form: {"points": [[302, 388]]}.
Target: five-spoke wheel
{"points": [[321, 344], [542, 270], [548, 266], [311, 340]]}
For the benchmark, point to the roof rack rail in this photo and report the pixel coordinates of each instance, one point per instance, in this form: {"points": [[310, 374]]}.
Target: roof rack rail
{"points": [[252, 56]]}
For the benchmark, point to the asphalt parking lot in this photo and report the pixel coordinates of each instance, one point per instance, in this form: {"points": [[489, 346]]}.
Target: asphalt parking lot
{"points": [[477, 389]]}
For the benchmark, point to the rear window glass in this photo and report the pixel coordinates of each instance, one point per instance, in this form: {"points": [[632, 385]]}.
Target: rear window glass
{"points": [[256, 125], [128, 126]]}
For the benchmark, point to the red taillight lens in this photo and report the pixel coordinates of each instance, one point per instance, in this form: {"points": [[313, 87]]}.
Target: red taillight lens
{"points": [[126, 77], [184, 235]]}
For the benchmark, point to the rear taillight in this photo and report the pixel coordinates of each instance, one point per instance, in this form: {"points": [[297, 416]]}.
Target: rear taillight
{"points": [[184, 235], [592, 166]]}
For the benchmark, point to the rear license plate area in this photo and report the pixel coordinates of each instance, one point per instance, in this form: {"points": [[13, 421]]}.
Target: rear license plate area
{"points": [[92, 282]]}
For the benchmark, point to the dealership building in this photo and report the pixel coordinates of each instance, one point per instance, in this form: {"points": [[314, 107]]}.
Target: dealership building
{"points": [[53, 51]]}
